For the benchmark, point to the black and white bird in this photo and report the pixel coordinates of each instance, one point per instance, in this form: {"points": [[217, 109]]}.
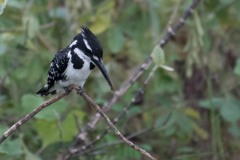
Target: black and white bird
{"points": [[73, 64]]}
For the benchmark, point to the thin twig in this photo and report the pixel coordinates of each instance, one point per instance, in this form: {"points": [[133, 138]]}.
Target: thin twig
{"points": [[30, 115], [134, 146]]}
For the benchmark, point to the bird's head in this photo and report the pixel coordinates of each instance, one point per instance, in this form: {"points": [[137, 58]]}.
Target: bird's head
{"points": [[89, 45]]}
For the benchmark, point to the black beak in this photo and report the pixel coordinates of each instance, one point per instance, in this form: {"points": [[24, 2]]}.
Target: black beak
{"points": [[100, 65]]}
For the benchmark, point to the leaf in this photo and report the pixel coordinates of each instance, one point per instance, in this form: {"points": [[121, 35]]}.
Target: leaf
{"points": [[49, 113], [158, 55], [11, 147], [115, 39], [213, 102], [159, 58], [230, 111], [47, 130], [3, 4], [229, 107], [31, 24], [237, 68], [69, 127], [167, 68], [29, 102], [101, 23]]}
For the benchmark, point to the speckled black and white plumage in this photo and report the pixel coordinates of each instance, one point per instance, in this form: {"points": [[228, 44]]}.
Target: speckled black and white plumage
{"points": [[73, 64]]}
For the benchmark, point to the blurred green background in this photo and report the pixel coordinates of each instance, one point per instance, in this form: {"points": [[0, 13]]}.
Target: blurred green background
{"points": [[190, 114]]}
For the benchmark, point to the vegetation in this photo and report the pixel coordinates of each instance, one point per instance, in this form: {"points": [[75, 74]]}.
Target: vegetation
{"points": [[192, 113]]}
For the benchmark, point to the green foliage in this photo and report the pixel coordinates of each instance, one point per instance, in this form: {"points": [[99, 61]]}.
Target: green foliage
{"points": [[29, 103], [229, 109], [12, 147], [186, 110]]}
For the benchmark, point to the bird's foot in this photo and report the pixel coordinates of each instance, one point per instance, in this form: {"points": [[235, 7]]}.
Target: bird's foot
{"points": [[79, 91]]}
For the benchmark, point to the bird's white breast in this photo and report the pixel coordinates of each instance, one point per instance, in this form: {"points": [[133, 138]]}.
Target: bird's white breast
{"points": [[76, 76]]}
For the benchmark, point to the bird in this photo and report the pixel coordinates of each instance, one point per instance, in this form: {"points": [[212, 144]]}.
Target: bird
{"points": [[73, 64]]}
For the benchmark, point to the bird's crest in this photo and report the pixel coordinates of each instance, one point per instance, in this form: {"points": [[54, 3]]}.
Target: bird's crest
{"points": [[88, 43]]}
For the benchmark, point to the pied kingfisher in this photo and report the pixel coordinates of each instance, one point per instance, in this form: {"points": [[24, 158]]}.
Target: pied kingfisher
{"points": [[73, 64]]}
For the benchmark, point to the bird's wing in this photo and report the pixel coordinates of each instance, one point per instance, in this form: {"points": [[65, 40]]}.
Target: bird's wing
{"points": [[58, 66]]}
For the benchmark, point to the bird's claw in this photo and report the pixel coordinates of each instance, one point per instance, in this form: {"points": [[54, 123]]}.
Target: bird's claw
{"points": [[80, 91]]}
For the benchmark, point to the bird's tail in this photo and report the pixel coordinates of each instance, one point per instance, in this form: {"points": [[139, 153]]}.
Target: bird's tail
{"points": [[44, 91]]}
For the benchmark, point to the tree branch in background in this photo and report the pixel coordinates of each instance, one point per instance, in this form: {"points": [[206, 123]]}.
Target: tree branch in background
{"points": [[171, 31], [30, 115]]}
